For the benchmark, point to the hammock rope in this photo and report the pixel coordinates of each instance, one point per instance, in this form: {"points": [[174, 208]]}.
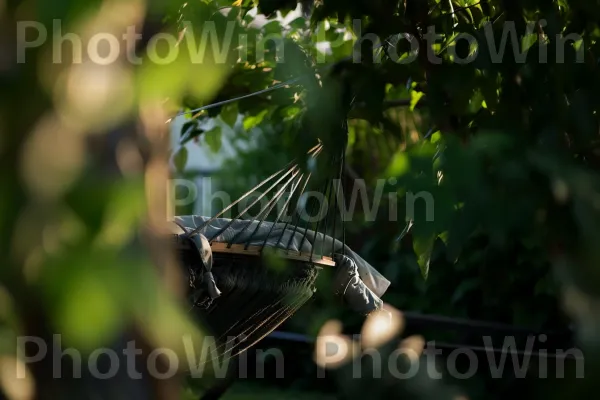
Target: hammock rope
{"points": [[253, 300], [239, 216], [264, 213], [283, 211], [292, 217], [286, 181], [291, 165]]}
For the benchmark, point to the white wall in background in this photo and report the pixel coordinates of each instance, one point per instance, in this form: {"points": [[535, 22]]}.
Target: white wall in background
{"points": [[202, 159]]}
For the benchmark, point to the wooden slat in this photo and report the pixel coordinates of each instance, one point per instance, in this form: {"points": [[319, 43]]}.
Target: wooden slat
{"points": [[256, 251], [235, 249]]}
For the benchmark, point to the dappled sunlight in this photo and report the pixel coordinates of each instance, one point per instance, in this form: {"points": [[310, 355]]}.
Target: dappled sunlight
{"points": [[332, 349], [381, 326], [15, 381], [61, 165], [77, 237], [113, 17], [413, 347], [94, 97], [129, 159], [87, 70]]}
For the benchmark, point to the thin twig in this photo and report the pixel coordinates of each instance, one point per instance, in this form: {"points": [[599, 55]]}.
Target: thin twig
{"points": [[455, 11]]}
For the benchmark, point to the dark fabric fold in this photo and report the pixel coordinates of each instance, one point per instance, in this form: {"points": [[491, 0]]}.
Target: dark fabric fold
{"points": [[352, 289]]}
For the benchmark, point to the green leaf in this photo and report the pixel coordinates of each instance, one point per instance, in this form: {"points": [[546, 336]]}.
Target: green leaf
{"points": [[476, 102], [415, 96], [290, 112], [234, 13], [299, 23], [399, 166], [196, 132], [229, 114], [528, 40], [213, 138], [253, 121], [444, 237], [436, 137], [423, 246], [272, 28], [464, 288], [188, 127], [180, 158], [404, 231]]}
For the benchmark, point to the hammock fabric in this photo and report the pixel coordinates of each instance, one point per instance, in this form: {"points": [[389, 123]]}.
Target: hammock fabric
{"points": [[237, 296], [254, 299], [282, 237]]}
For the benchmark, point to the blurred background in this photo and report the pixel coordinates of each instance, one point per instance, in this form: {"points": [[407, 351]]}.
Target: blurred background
{"points": [[105, 129]]}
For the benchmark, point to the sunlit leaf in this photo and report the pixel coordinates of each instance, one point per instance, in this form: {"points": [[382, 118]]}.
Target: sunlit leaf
{"points": [[180, 158], [229, 114], [254, 120], [213, 138], [423, 247], [400, 164], [415, 96]]}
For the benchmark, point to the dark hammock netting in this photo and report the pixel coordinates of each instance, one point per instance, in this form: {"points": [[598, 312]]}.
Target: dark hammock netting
{"points": [[239, 298], [254, 300]]}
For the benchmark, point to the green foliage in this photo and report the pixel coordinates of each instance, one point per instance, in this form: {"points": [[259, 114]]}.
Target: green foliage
{"points": [[505, 145], [213, 138]]}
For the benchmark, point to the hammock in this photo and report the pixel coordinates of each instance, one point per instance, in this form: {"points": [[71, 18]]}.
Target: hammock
{"points": [[232, 289]]}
